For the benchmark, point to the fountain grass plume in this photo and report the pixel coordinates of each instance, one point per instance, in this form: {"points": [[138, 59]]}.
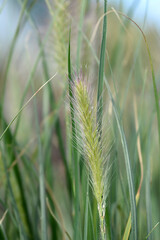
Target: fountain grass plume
{"points": [[91, 146], [60, 13], [61, 30]]}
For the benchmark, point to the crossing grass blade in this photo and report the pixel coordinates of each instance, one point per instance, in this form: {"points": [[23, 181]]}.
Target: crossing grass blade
{"points": [[43, 214], [23, 107]]}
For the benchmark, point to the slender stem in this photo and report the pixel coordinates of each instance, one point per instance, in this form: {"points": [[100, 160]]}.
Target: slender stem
{"points": [[101, 210]]}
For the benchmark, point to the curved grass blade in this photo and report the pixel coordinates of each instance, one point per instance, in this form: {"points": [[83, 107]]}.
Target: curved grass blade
{"points": [[149, 55], [153, 74], [125, 150]]}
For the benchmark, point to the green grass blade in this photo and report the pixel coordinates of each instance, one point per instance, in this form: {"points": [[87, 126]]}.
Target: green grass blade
{"points": [[15, 37], [92, 231], [155, 90], [20, 228], [3, 235], [57, 125], [32, 73], [43, 216], [86, 211], [125, 151], [148, 190], [58, 223], [108, 221], [128, 226], [101, 70], [128, 166], [9, 139], [74, 151]]}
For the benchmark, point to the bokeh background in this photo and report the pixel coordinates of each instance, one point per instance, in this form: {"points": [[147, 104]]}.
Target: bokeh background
{"points": [[33, 47]]}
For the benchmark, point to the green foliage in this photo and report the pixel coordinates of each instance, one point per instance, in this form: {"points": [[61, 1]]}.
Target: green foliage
{"points": [[55, 178]]}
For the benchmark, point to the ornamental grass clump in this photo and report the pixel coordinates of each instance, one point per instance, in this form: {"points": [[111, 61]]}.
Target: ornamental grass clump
{"points": [[91, 145]]}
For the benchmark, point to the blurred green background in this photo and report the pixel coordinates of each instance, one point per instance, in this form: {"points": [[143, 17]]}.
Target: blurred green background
{"points": [[34, 38]]}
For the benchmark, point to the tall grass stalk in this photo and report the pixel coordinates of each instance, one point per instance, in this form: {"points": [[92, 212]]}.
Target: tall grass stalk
{"points": [[92, 147]]}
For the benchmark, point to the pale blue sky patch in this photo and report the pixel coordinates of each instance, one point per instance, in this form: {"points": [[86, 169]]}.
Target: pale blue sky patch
{"points": [[153, 10]]}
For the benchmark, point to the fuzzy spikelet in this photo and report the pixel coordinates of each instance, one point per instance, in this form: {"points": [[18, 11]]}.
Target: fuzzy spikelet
{"points": [[59, 11], [61, 34], [91, 147]]}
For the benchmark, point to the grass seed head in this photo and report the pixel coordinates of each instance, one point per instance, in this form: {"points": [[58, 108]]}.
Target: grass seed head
{"points": [[91, 144]]}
